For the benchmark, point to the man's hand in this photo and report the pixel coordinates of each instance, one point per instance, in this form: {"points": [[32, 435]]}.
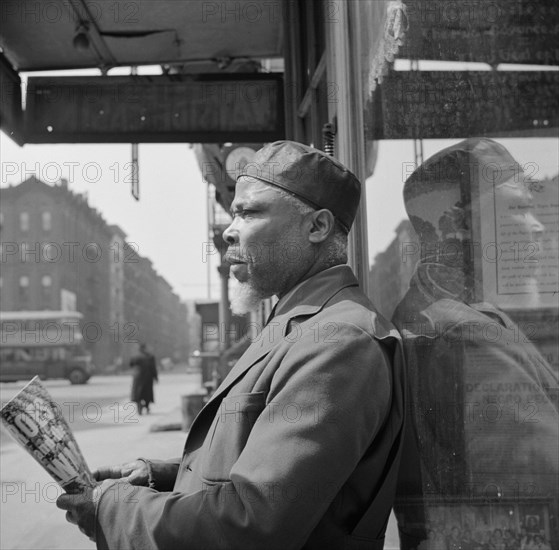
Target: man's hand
{"points": [[80, 509], [135, 473]]}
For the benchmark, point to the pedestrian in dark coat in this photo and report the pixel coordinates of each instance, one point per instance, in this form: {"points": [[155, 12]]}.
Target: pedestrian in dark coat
{"points": [[144, 373]]}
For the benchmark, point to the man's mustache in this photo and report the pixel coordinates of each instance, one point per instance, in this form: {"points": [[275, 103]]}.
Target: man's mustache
{"points": [[232, 259], [235, 256]]}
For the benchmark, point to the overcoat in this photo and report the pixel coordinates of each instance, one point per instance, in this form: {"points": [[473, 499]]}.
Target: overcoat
{"points": [[299, 440], [145, 372]]}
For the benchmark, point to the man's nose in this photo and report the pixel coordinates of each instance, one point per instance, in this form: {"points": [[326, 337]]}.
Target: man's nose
{"points": [[537, 225], [230, 235]]}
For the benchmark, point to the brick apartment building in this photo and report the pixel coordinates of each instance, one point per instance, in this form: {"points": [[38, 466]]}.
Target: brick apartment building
{"points": [[58, 253]]}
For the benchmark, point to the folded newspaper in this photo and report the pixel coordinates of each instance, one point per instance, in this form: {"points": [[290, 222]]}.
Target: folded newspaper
{"points": [[35, 421]]}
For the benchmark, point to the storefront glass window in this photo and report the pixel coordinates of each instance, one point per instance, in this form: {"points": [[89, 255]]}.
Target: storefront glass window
{"points": [[463, 219]]}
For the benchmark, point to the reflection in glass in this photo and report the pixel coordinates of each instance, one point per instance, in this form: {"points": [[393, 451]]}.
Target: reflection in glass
{"points": [[483, 427]]}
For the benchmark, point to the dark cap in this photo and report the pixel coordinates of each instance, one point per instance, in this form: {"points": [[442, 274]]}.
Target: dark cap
{"points": [[309, 174]]}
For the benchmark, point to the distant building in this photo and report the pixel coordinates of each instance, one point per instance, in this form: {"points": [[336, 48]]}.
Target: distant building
{"points": [[58, 253], [153, 313]]}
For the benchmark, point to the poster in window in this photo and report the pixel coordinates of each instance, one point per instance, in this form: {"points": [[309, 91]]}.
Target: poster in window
{"points": [[518, 248]]}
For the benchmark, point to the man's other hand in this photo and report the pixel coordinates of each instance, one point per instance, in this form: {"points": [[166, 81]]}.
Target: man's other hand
{"points": [[80, 509], [135, 473]]}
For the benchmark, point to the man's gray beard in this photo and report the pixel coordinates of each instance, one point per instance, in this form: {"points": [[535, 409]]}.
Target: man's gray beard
{"points": [[244, 297], [264, 281]]}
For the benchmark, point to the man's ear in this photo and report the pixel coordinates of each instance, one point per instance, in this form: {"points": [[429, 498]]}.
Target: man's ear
{"points": [[322, 225]]}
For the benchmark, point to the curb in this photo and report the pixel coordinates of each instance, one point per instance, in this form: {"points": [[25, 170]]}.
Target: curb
{"points": [[171, 422]]}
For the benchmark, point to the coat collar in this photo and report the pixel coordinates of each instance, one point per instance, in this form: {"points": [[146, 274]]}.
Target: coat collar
{"points": [[309, 296], [305, 299]]}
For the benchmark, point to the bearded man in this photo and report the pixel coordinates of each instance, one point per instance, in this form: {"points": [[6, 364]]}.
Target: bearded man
{"points": [[299, 446]]}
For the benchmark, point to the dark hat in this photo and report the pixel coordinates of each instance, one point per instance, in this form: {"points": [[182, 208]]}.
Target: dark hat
{"points": [[309, 174]]}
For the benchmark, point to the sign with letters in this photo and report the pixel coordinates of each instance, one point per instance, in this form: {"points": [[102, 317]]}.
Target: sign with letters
{"points": [[456, 104], [202, 108]]}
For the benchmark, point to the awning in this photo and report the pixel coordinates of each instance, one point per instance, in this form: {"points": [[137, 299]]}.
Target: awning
{"points": [[77, 34], [210, 91]]}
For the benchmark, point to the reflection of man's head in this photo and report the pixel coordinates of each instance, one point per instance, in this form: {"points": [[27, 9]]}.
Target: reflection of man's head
{"points": [[438, 196]]}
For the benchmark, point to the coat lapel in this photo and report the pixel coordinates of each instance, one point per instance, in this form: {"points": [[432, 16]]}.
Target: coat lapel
{"points": [[270, 336]]}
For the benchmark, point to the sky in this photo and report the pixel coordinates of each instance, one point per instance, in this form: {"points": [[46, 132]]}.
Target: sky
{"points": [[169, 223]]}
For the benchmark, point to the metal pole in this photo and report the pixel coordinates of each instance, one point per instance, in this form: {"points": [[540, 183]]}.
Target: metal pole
{"points": [[208, 262], [135, 174]]}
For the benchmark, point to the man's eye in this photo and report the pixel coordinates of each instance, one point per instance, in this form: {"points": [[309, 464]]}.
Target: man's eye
{"points": [[243, 213]]}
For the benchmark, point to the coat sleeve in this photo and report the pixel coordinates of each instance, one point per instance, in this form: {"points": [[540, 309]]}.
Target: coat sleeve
{"points": [[326, 402]]}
